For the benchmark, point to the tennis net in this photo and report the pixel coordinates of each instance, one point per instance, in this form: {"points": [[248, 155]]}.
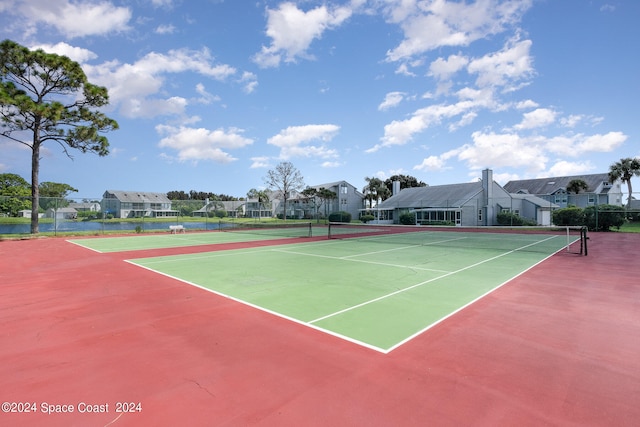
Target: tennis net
{"points": [[283, 229], [531, 239]]}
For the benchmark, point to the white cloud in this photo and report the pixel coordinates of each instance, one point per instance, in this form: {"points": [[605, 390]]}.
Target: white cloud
{"points": [[434, 24], [526, 104], [507, 150], [438, 163], [431, 163], [205, 96], [174, 105], [465, 120], [132, 87], [443, 69], [250, 81], [331, 164], [537, 118], [528, 154], [400, 132], [162, 3], [195, 144], [165, 29], [571, 121], [504, 68], [503, 178], [480, 97], [77, 54], [580, 144], [180, 60], [403, 69], [564, 168], [74, 19], [293, 141], [292, 31], [392, 99], [260, 162]]}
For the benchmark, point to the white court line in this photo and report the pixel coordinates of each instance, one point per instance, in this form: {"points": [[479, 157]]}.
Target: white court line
{"points": [[348, 258], [85, 247], [425, 282], [338, 335], [404, 247], [266, 310]]}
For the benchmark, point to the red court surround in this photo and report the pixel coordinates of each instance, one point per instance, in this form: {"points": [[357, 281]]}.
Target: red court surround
{"points": [[79, 330]]}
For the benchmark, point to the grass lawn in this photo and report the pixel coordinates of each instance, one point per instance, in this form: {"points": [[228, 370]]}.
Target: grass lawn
{"points": [[631, 227]]}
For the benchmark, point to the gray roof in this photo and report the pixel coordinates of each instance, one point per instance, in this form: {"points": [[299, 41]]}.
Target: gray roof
{"points": [[542, 203], [229, 205], [139, 196], [553, 184], [84, 205], [63, 210], [453, 195], [330, 185]]}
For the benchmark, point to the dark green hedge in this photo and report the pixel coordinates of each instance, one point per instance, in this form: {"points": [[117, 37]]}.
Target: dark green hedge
{"points": [[595, 218], [340, 217], [509, 218]]}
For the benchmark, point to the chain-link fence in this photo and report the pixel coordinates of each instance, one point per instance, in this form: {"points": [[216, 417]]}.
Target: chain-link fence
{"points": [[102, 216], [99, 216]]}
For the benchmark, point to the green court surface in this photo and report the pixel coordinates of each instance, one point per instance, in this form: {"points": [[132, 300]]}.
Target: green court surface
{"points": [[378, 295], [168, 240]]}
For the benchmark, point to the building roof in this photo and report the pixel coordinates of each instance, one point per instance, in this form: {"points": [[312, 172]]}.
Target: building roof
{"points": [[539, 202], [329, 185], [453, 195], [553, 184], [63, 210], [139, 196], [84, 205], [228, 205]]}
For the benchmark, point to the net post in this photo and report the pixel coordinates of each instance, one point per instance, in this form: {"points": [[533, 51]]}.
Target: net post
{"points": [[585, 238]]}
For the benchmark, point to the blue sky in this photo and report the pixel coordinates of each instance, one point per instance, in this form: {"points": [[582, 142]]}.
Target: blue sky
{"points": [[211, 94]]}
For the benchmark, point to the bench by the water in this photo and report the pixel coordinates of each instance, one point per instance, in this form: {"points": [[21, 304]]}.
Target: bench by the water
{"points": [[176, 229]]}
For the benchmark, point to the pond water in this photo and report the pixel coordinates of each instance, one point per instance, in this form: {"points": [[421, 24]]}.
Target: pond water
{"points": [[70, 226]]}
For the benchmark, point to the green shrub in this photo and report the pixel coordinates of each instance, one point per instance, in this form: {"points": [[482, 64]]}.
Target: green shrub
{"points": [[569, 216], [340, 217], [509, 218], [367, 217], [633, 215], [603, 217], [408, 219]]}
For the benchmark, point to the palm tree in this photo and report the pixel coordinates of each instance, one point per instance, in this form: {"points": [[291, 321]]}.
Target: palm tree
{"points": [[374, 190], [624, 170], [262, 196], [577, 185]]}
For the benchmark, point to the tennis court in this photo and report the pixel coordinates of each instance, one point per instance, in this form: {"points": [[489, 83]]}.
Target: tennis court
{"points": [[374, 286], [235, 233], [556, 345]]}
